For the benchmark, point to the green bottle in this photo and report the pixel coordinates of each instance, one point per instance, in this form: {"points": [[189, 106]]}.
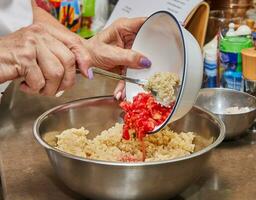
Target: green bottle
{"points": [[230, 69], [88, 12]]}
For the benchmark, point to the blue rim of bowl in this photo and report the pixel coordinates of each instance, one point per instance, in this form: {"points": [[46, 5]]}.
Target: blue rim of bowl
{"points": [[44, 116], [184, 73]]}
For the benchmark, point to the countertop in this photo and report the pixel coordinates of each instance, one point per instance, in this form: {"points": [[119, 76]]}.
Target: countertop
{"points": [[26, 172]]}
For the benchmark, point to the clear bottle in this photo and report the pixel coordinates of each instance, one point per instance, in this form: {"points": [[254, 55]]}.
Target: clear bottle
{"points": [[210, 64]]}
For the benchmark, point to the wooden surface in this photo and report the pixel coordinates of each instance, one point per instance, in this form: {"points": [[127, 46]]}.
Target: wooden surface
{"points": [[27, 174]]}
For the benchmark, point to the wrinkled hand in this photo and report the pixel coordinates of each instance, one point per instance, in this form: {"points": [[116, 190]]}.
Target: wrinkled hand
{"points": [[46, 64], [111, 47], [118, 39], [108, 49]]}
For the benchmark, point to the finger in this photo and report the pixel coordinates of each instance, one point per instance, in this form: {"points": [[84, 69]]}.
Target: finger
{"points": [[52, 69], [33, 80], [8, 71], [109, 56], [134, 24], [118, 92], [123, 94], [129, 41], [83, 60], [130, 25], [121, 26], [82, 55], [67, 59], [75, 44]]}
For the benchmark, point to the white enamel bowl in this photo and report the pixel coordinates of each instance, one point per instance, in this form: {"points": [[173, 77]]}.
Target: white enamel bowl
{"points": [[171, 48]]}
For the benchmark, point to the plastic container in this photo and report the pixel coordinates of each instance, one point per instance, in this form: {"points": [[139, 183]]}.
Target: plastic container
{"points": [[210, 64], [249, 63], [230, 70], [94, 17], [210, 69]]}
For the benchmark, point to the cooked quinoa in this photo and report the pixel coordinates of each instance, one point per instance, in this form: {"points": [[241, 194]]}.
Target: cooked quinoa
{"points": [[164, 84], [110, 146]]}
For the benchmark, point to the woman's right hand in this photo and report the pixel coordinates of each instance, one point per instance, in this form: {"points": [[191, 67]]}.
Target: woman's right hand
{"points": [[45, 64]]}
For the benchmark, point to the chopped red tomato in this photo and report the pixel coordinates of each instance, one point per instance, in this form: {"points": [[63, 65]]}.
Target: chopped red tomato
{"points": [[143, 115]]}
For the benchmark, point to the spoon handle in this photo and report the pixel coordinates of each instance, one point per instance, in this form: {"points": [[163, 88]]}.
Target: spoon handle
{"points": [[115, 76]]}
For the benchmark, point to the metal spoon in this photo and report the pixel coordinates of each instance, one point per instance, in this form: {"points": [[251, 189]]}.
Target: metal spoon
{"points": [[140, 82]]}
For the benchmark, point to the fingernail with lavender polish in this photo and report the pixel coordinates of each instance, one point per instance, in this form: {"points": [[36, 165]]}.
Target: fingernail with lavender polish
{"points": [[90, 73], [144, 62]]}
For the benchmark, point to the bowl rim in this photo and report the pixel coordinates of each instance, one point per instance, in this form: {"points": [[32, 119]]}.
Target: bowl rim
{"points": [[43, 116], [179, 97], [201, 91]]}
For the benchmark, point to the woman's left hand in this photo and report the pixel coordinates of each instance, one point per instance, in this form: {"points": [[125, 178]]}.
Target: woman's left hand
{"points": [[113, 47]]}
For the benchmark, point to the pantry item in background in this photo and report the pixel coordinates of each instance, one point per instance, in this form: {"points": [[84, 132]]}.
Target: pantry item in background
{"points": [[210, 63], [249, 70], [70, 14], [231, 30], [250, 87], [47, 6], [219, 21], [94, 16], [251, 14], [243, 30], [250, 23], [56, 5], [241, 6], [249, 64], [230, 69]]}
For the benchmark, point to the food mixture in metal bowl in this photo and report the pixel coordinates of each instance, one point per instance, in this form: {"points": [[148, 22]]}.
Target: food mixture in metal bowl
{"points": [[111, 146], [129, 142]]}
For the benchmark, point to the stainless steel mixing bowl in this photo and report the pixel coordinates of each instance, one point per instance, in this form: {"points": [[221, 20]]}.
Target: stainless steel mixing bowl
{"points": [[115, 180], [216, 100]]}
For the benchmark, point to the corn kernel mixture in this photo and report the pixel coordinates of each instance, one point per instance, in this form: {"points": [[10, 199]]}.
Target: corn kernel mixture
{"points": [[110, 146]]}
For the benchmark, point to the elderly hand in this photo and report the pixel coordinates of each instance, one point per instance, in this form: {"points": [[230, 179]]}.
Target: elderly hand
{"points": [[111, 47], [108, 49], [45, 64], [122, 34]]}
